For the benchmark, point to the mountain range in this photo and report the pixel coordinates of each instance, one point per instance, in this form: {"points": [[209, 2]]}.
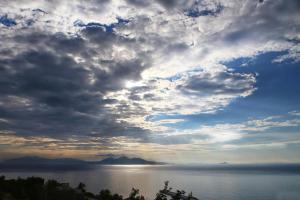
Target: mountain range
{"points": [[126, 161], [25, 163]]}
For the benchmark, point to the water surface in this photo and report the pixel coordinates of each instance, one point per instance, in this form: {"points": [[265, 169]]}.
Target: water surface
{"points": [[217, 184]]}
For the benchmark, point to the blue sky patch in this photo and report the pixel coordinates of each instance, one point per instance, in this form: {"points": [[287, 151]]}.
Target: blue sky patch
{"points": [[6, 21], [196, 12], [277, 93]]}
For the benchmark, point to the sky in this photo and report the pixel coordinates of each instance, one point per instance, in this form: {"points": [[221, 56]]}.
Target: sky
{"points": [[179, 81]]}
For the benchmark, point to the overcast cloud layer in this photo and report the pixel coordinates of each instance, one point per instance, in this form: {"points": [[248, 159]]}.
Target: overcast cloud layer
{"points": [[97, 77]]}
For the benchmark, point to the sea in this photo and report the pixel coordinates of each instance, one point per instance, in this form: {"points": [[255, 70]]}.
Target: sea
{"points": [[204, 183]]}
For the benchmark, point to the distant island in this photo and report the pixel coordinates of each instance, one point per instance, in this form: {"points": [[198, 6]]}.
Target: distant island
{"points": [[126, 161], [27, 163]]}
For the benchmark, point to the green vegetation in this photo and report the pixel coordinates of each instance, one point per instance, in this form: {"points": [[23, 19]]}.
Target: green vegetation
{"points": [[35, 188]]}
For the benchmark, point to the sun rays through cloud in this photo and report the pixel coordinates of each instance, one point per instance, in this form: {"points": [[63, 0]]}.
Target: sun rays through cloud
{"points": [[184, 81]]}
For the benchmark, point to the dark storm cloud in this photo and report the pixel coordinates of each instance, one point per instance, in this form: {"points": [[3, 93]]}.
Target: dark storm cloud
{"points": [[119, 71], [136, 92], [139, 3], [278, 16], [168, 3], [60, 43], [224, 83], [178, 4], [44, 91], [55, 84]]}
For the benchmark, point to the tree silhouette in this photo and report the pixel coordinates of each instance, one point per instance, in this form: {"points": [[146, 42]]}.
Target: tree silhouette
{"points": [[34, 188], [134, 195], [81, 186]]}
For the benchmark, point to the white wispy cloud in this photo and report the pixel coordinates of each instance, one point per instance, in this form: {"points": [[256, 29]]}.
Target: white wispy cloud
{"points": [[255, 133], [137, 59]]}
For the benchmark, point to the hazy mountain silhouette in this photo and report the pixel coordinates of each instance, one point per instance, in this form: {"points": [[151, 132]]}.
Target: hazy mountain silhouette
{"points": [[33, 163], [126, 161]]}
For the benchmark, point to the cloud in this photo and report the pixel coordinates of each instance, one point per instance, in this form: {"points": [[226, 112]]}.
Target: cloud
{"points": [[206, 138], [54, 83], [178, 94], [271, 132], [104, 71], [294, 113], [226, 83]]}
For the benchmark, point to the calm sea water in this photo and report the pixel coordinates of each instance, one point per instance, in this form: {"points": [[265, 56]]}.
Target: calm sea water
{"points": [[205, 184]]}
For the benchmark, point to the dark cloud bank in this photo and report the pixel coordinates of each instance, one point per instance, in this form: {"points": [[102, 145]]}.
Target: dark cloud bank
{"points": [[44, 91]]}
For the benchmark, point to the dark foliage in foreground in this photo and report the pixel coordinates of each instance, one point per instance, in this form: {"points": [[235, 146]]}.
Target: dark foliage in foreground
{"points": [[35, 188]]}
